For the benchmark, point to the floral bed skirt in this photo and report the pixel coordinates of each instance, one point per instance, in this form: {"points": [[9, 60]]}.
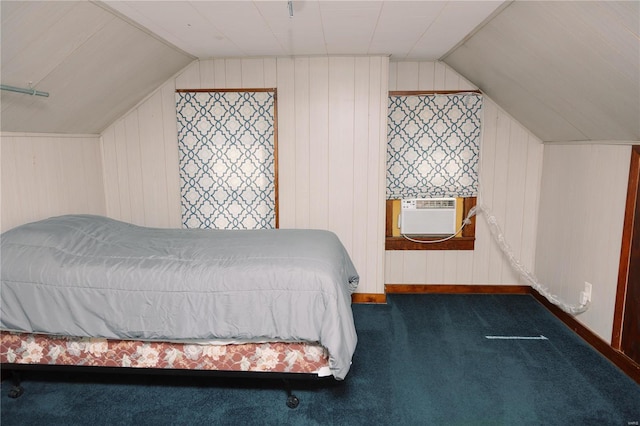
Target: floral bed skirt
{"points": [[23, 348]]}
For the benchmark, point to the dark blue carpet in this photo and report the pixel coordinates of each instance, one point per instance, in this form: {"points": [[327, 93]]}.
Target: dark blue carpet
{"points": [[420, 360]]}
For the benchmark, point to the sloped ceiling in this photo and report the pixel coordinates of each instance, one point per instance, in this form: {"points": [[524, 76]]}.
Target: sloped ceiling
{"points": [[94, 65], [567, 70]]}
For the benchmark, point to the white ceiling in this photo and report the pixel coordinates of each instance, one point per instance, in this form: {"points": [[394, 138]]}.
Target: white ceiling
{"points": [[568, 70], [401, 29]]}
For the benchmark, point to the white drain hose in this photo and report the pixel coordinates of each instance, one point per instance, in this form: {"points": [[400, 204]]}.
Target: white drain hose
{"points": [[529, 277]]}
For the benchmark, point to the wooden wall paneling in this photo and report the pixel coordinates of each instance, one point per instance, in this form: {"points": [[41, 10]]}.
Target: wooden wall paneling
{"points": [[547, 269], [375, 140], [435, 267], [28, 176], [61, 173], [110, 179], [10, 207], [462, 83], [464, 267], [608, 234], [87, 176], [190, 77], [515, 195], [57, 176], [39, 177], [581, 217], [60, 176], [407, 75], [152, 152], [302, 157], [393, 76], [426, 76], [360, 167], [45, 159], [449, 266], [484, 242], [121, 171], [134, 160], [94, 188], [50, 175], [207, 74], [531, 200], [18, 160], [319, 142], [440, 71], [286, 142], [108, 161], [341, 128], [498, 203], [394, 267], [566, 233], [376, 179], [252, 73], [233, 73], [610, 231], [627, 270], [74, 179], [574, 239], [270, 72], [591, 159], [415, 267], [220, 73], [172, 155], [451, 78]]}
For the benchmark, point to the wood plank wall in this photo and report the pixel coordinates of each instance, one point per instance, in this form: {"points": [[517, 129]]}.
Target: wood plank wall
{"points": [[331, 148], [582, 206], [332, 127], [47, 175], [510, 173]]}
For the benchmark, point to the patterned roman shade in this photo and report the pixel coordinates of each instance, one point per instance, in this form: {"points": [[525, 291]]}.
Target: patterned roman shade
{"points": [[433, 145], [227, 159]]}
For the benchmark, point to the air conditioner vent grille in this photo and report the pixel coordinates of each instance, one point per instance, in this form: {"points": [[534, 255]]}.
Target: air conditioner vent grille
{"points": [[428, 216], [435, 204]]}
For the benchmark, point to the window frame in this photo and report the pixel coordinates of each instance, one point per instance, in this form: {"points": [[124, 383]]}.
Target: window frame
{"points": [[274, 91], [466, 241]]}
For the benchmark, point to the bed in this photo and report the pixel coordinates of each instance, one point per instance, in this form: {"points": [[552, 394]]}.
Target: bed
{"points": [[89, 291]]}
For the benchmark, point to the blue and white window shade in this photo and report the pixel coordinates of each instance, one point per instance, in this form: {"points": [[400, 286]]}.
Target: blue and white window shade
{"points": [[433, 145], [227, 159]]}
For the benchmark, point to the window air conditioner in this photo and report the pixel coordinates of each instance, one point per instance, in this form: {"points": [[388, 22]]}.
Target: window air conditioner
{"points": [[432, 216]]}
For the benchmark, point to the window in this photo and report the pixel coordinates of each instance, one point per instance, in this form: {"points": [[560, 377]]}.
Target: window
{"points": [[228, 152], [433, 151]]}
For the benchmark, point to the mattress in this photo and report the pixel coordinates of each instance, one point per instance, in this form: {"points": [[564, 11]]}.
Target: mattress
{"points": [[90, 276], [278, 357]]}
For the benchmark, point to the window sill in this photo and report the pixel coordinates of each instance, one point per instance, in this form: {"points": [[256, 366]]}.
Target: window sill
{"points": [[401, 243]]}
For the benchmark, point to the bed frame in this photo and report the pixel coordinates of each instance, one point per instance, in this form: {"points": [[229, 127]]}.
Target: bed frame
{"points": [[140, 296], [274, 360]]}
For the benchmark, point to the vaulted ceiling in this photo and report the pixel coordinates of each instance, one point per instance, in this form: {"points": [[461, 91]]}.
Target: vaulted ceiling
{"points": [[569, 71]]}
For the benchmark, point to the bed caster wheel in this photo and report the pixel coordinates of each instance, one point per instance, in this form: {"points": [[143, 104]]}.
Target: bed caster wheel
{"points": [[292, 401], [16, 392]]}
